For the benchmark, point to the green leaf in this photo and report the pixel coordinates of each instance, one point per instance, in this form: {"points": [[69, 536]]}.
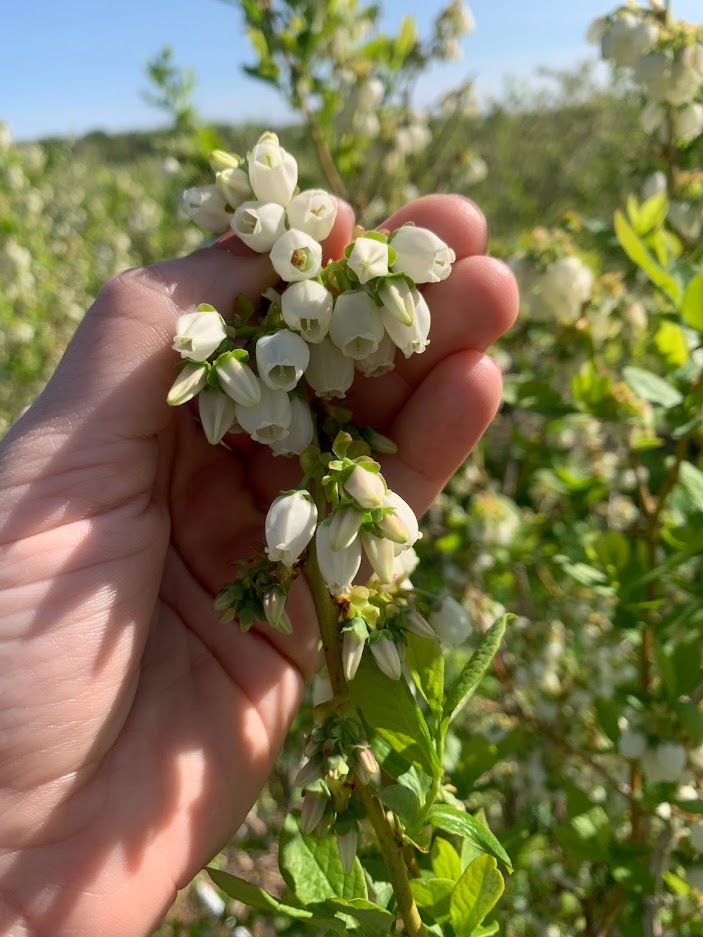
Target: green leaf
{"points": [[404, 41], [425, 661], [402, 801], [373, 918], [639, 255], [651, 387], [445, 859], [652, 213], [475, 895], [312, 868], [391, 712], [455, 821], [691, 480], [476, 667], [433, 895], [692, 305], [671, 342], [255, 897], [486, 930]]}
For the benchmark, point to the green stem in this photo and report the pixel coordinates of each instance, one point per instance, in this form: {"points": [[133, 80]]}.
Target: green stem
{"points": [[389, 839]]}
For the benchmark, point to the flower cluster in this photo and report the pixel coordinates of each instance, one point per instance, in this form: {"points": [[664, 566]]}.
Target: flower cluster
{"points": [[323, 324], [552, 289]]}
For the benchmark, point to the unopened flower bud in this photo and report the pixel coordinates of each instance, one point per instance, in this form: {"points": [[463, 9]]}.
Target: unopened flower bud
{"points": [[405, 513], [391, 527], [353, 641], [274, 604], [368, 259], [220, 160], [281, 359], [338, 567], [421, 255], [313, 211], [308, 774], [217, 413], [296, 256], [190, 381], [367, 767], [233, 185], [386, 656], [273, 172], [450, 622], [419, 625], [347, 844], [306, 307], [397, 299], [380, 554], [259, 224], [290, 525], [238, 380], [199, 333], [411, 339], [205, 206], [344, 527], [367, 488], [312, 811]]}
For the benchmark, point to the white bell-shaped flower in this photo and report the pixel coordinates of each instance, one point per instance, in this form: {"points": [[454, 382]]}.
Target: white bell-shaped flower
{"points": [[300, 431], [380, 554], [369, 259], [367, 488], [273, 172], [217, 413], [397, 298], [306, 306], [233, 185], [338, 567], [238, 380], [205, 206], [356, 327], [290, 524], [450, 622], [407, 516], [686, 218], [199, 334], [411, 339], [329, 373], [269, 420], [688, 123], [370, 93], [313, 211], [344, 526], [296, 256], [379, 362], [653, 72], [421, 255], [386, 655], [685, 82], [190, 381], [259, 224], [281, 359]]}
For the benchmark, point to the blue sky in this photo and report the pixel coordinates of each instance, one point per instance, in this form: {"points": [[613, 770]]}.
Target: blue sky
{"points": [[76, 65]]}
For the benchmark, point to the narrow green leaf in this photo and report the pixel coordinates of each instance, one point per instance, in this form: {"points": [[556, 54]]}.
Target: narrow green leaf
{"points": [[391, 712], [255, 897], [445, 859], [639, 255], [452, 820], [692, 306], [475, 895], [312, 868], [652, 213], [478, 664], [651, 387], [425, 661]]}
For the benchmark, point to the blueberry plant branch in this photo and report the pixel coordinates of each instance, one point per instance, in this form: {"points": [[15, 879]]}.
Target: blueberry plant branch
{"points": [[279, 372]]}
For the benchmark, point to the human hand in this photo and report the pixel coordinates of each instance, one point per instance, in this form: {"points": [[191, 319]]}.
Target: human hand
{"points": [[136, 729]]}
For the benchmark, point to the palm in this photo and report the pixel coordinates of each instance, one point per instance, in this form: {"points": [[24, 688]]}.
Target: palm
{"points": [[170, 720]]}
